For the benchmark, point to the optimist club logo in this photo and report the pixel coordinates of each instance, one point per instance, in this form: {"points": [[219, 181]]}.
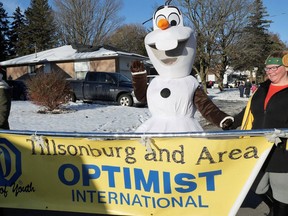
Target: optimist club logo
{"points": [[10, 163]]}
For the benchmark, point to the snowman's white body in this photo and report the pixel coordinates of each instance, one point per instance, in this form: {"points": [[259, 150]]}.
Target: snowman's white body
{"points": [[174, 113]]}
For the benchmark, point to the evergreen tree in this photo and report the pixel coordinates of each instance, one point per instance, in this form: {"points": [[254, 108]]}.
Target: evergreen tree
{"points": [[40, 31], [16, 34], [4, 33], [256, 42]]}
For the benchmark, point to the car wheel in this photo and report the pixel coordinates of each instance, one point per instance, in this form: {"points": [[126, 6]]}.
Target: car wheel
{"points": [[22, 97], [125, 100]]}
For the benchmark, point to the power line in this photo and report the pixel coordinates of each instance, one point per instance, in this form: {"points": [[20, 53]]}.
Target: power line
{"points": [[281, 14]]}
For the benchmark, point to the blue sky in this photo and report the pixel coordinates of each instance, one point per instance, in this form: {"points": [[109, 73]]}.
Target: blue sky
{"points": [[278, 11], [138, 11]]}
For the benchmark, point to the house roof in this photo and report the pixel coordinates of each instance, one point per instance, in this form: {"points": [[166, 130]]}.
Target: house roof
{"points": [[67, 52]]}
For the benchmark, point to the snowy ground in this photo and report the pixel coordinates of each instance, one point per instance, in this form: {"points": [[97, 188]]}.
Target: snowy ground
{"points": [[101, 117]]}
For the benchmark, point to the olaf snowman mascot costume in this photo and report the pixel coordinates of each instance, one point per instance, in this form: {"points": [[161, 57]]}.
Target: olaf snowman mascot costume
{"points": [[174, 96]]}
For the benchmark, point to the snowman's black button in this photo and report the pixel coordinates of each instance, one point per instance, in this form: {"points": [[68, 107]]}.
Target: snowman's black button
{"points": [[165, 93]]}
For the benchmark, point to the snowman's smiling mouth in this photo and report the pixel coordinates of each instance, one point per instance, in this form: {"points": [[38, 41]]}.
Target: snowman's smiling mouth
{"points": [[169, 57]]}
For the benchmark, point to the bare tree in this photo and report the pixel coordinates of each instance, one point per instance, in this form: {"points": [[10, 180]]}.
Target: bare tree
{"points": [[218, 25], [87, 22], [129, 38]]}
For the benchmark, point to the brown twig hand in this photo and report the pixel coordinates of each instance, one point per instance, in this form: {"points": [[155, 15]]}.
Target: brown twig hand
{"points": [[137, 66]]}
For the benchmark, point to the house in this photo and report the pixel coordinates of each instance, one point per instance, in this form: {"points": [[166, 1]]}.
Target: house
{"points": [[73, 60]]}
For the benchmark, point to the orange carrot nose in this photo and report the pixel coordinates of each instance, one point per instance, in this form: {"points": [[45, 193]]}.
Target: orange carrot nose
{"points": [[163, 24]]}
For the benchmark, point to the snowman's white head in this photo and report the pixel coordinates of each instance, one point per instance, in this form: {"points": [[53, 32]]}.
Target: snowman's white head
{"points": [[171, 46]]}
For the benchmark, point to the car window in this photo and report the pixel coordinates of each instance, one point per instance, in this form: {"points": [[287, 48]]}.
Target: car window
{"points": [[123, 78], [101, 78], [91, 77], [109, 79]]}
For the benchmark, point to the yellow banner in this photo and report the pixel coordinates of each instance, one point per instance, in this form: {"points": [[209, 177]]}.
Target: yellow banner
{"points": [[186, 176]]}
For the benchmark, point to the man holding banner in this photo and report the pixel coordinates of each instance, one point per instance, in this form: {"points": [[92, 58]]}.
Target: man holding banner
{"points": [[5, 103]]}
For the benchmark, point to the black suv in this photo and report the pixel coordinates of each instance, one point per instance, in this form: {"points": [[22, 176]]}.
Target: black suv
{"points": [[104, 86]]}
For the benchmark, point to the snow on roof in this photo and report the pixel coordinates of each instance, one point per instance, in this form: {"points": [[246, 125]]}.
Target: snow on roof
{"points": [[63, 53]]}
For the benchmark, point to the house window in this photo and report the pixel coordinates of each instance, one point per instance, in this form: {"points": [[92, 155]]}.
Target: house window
{"points": [[81, 68], [32, 69], [47, 68], [80, 74]]}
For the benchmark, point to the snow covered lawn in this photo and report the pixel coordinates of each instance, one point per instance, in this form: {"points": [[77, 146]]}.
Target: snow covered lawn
{"points": [[102, 117]]}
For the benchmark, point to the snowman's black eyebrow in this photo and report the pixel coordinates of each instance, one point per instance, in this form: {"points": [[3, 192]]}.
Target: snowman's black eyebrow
{"points": [[169, 6]]}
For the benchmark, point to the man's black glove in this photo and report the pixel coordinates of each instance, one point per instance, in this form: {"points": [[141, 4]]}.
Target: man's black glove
{"points": [[227, 124]]}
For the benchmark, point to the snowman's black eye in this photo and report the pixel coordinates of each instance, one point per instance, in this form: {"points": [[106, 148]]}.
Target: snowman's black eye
{"points": [[174, 19], [173, 23]]}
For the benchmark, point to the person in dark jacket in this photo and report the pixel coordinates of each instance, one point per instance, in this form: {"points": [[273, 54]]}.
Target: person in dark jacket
{"points": [[269, 106], [5, 104], [241, 89], [247, 87]]}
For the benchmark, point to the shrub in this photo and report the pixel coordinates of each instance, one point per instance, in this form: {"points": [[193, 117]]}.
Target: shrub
{"points": [[49, 90]]}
